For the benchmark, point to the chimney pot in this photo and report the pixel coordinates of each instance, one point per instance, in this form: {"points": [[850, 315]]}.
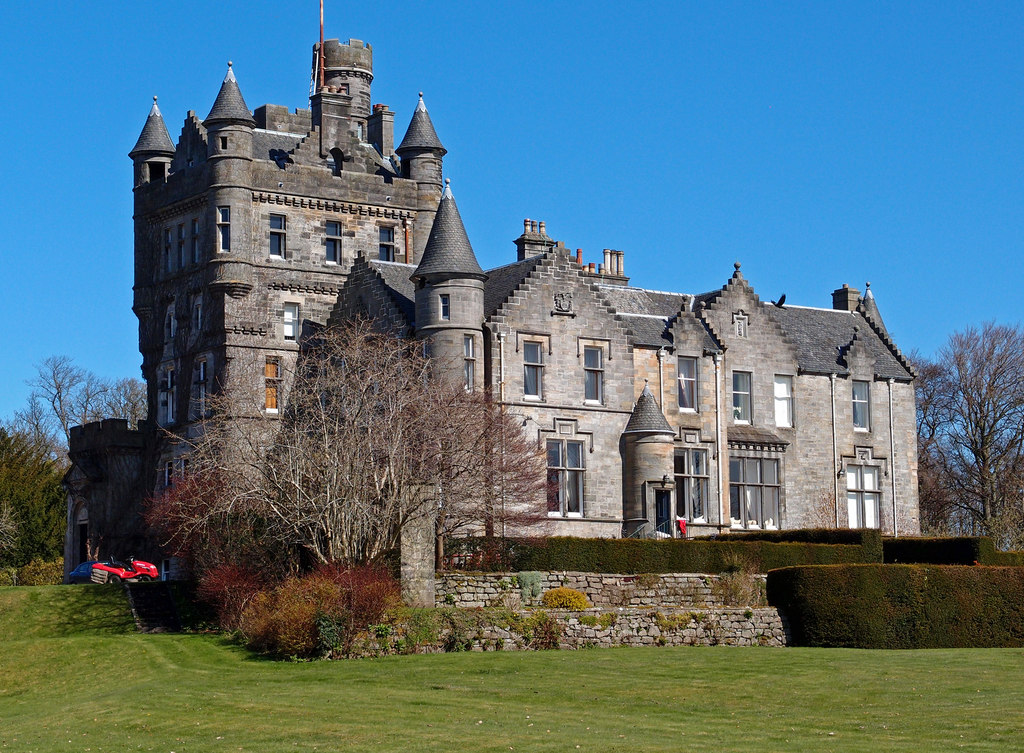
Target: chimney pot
{"points": [[542, 230], [579, 256]]}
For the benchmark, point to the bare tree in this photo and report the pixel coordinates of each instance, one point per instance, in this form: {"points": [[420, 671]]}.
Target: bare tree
{"points": [[65, 395], [8, 528], [971, 433], [367, 440]]}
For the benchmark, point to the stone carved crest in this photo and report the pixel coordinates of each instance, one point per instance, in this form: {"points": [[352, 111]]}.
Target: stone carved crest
{"points": [[563, 302]]}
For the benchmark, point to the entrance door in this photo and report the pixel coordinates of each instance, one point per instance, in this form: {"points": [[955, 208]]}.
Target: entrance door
{"points": [[663, 511]]}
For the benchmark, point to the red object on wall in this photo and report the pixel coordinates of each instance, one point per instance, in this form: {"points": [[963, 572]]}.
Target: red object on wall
{"points": [[682, 527]]}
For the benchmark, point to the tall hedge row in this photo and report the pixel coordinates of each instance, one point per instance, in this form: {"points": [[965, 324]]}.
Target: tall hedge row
{"points": [[901, 606], [652, 555], [955, 550]]}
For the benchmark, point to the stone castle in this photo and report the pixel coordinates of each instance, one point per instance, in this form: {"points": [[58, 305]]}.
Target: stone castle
{"points": [[661, 414]]}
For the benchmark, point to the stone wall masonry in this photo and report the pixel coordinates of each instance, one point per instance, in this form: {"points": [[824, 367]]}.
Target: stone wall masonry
{"points": [[477, 590]]}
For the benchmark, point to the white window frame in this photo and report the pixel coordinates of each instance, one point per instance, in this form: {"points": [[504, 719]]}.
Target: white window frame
{"points": [[739, 415], [566, 477], [783, 391], [444, 303], [534, 368], [863, 498], [332, 242], [201, 387], [863, 422], [687, 384], [290, 324], [223, 230], [278, 236], [746, 493], [593, 375], [167, 396], [469, 362], [386, 243], [693, 481]]}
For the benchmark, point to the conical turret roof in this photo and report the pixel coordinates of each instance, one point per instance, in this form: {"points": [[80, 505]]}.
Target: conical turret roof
{"points": [[154, 138], [870, 310], [448, 250], [229, 107], [421, 133], [647, 417]]}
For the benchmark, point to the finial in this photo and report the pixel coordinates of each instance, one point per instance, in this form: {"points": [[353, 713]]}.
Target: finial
{"points": [[867, 285], [736, 264], [421, 95], [154, 102], [447, 181], [230, 64]]}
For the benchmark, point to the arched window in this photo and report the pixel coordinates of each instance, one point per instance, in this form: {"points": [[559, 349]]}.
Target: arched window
{"points": [[339, 160]]}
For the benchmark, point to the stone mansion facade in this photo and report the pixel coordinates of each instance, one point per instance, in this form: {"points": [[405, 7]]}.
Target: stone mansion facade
{"points": [[715, 408]]}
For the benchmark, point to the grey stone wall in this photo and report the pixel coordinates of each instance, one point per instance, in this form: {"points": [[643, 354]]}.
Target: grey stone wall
{"points": [[477, 590]]}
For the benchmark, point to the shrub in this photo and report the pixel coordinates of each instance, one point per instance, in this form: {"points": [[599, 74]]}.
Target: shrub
{"points": [[229, 589], [951, 550], [565, 598], [319, 614], [41, 573], [901, 606], [529, 585], [631, 556], [8, 576]]}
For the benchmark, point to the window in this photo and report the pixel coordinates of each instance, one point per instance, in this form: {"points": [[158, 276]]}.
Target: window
{"points": [[387, 244], [170, 325], [754, 492], [861, 406], [168, 258], [167, 398], [565, 477], [593, 369], [333, 243], [469, 362], [687, 383], [197, 314], [278, 239], [691, 472], [223, 142], [783, 400], [224, 228], [272, 380], [182, 259], [168, 474], [291, 321], [741, 397], [533, 370], [446, 307], [201, 377], [862, 495], [195, 241]]}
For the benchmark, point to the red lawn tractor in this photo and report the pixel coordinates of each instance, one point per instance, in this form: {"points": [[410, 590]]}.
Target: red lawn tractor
{"points": [[133, 571]]}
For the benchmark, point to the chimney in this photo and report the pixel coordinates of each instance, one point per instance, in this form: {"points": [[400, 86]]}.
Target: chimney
{"points": [[579, 256], [622, 263], [845, 298], [380, 129], [534, 240]]}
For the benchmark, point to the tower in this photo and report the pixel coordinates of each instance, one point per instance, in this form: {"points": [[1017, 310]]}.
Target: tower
{"points": [[422, 158], [153, 152], [450, 295], [648, 471]]}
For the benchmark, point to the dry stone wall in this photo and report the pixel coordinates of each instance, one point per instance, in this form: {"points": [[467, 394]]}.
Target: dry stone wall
{"points": [[476, 590]]}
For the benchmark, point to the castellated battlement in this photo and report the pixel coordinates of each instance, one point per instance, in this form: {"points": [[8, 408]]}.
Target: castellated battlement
{"points": [[348, 55], [109, 432]]}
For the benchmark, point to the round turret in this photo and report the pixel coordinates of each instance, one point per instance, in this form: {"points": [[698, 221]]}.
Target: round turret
{"points": [[648, 473], [348, 71]]}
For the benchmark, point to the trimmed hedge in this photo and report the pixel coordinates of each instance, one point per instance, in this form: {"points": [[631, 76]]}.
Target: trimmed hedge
{"points": [[955, 550], [901, 606], [868, 538], [647, 555]]}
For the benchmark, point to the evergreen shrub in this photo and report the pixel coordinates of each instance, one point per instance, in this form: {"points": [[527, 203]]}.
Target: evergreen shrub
{"points": [[949, 550], [632, 556], [901, 606], [41, 573], [565, 598]]}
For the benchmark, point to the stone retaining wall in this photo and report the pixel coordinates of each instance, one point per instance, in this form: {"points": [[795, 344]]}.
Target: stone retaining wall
{"points": [[473, 590]]}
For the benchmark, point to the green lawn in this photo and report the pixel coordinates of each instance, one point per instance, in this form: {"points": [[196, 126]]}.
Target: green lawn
{"points": [[94, 690]]}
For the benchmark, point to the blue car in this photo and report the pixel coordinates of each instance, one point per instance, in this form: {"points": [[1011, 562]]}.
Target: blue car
{"points": [[82, 573]]}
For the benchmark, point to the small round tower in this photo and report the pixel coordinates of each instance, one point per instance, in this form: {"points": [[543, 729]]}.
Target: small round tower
{"points": [[450, 297], [648, 472], [153, 152]]}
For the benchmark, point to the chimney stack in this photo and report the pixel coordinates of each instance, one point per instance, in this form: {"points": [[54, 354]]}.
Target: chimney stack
{"points": [[845, 298]]}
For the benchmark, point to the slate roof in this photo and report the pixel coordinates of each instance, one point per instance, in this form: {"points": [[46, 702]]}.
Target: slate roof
{"points": [[154, 137], [501, 281], [229, 107], [397, 278], [421, 133], [448, 250], [821, 336], [650, 314], [647, 417]]}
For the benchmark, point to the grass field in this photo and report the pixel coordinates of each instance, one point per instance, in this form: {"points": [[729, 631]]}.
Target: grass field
{"points": [[71, 679]]}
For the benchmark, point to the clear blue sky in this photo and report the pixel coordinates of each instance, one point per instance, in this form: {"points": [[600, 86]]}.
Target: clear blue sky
{"points": [[817, 143]]}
